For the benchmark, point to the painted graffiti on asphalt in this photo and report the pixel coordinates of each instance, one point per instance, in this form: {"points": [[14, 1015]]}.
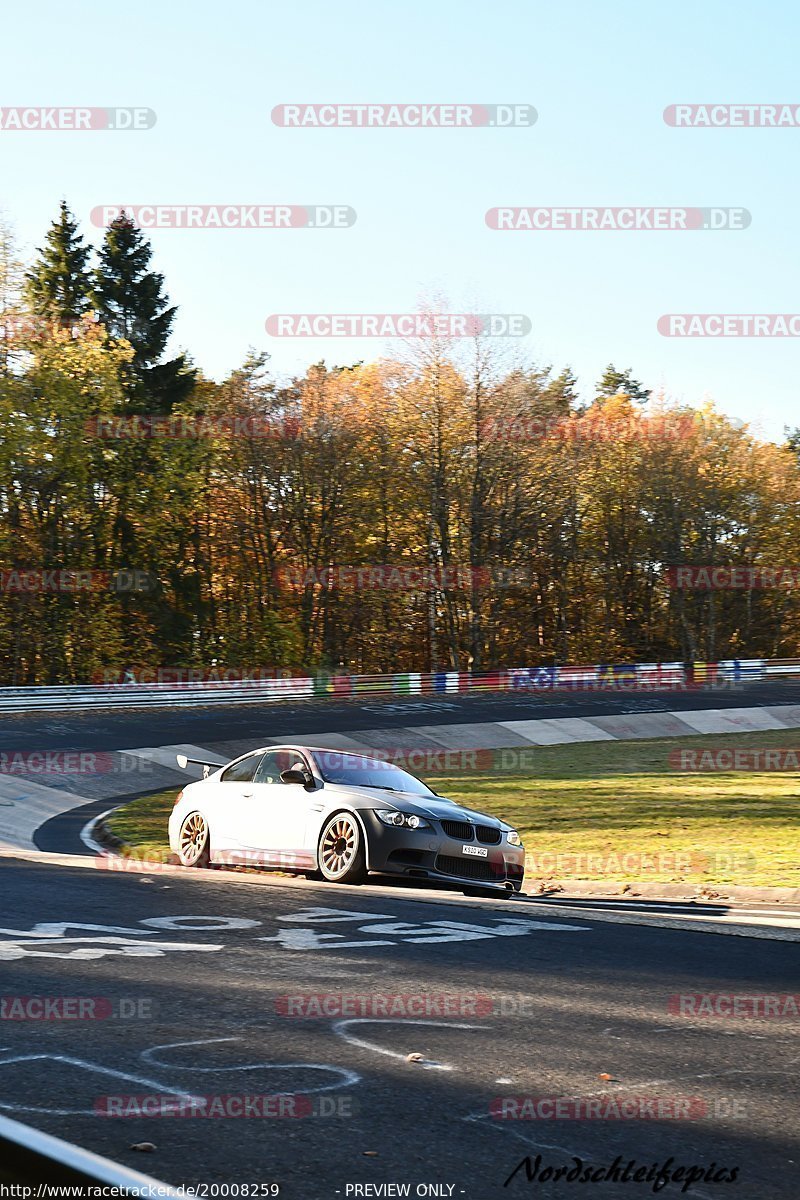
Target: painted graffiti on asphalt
{"points": [[48, 939], [384, 929], [297, 931]]}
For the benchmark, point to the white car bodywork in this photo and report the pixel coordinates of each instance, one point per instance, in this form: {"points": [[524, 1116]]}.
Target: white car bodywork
{"points": [[261, 820]]}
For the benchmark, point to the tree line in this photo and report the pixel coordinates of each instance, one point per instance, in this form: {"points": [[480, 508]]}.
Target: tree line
{"points": [[448, 507]]}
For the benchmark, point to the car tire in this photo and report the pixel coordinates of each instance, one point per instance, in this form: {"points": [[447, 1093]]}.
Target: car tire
{"points": [[194, 842], [341, 852]]}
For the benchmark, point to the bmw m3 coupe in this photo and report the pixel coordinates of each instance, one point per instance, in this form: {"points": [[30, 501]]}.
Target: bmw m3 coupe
{"points": [[340, 816]]}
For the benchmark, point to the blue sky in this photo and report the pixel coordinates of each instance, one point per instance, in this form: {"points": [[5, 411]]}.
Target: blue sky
{"points": [[599, 76]]}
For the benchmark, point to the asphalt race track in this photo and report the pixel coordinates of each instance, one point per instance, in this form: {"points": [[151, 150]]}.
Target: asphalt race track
{"points": [[204, 975], [206, 994], [113, 729]]}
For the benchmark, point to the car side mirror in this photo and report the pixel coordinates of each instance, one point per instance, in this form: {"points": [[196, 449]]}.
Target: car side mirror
{"points": [[295, 775]]}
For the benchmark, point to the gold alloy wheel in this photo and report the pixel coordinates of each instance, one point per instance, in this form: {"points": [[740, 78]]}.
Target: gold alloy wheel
{"points": [[193, 839], [339, 846]]}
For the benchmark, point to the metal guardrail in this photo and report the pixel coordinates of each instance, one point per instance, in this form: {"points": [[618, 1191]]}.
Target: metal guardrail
{"points": [[28, 1156], [195, 693], [782, 666]]}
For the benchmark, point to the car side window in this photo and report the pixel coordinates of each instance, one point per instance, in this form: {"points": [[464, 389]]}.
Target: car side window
{"points": [[243, 771], [276, 761]]}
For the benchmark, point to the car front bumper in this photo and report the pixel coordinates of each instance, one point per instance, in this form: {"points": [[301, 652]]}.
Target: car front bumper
{"points": [[432, 854]]}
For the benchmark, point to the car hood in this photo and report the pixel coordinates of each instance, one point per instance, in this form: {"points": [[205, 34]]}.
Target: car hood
{"points": [[438, 807]]}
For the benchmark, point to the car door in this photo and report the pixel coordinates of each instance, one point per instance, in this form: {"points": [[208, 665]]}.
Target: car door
{"points": [[278, 815], [232, 803]]}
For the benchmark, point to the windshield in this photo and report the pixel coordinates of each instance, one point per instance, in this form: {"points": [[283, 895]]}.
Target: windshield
{"points": [[353, 770]]}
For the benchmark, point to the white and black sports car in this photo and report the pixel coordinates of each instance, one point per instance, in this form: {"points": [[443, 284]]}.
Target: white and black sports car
{"points": [[340, 816]]}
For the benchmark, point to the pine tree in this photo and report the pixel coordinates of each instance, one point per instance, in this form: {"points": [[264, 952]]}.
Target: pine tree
{"points": [[615, 382], [132, 305], [59, 285], [562, 392]]}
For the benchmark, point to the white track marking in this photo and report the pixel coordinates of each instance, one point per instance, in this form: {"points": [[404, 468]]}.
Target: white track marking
{"points": [[408, 933], [309, 915], [494, 1123], [404, 930], [764, 928], [512, 927], [101, 947], [50, 936], [86, 834], [309, 939], [698, 908], [51, 929], [180, 1096], [457, 931], [349, 1077], [174, 923], [341, 1029]]}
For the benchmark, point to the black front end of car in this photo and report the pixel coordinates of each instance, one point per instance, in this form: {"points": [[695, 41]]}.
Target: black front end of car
{"points": [[468, 852]]}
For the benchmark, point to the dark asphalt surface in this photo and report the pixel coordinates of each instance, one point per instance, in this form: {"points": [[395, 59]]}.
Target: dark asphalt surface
{"points": [[114, 730], [62, 834], [568, 1005]]}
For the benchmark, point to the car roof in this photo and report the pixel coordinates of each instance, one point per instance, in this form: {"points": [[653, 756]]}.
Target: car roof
{"points": [[304, 749]]}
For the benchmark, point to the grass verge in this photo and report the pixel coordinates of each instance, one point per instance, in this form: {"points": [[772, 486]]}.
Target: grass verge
{"points": [[611, 811]]}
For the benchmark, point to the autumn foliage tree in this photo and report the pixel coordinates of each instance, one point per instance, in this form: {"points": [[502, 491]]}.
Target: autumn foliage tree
{"points": [[539, 528]]}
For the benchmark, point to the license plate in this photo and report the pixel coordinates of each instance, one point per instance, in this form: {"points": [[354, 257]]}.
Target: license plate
{"points": [[477, 851]]}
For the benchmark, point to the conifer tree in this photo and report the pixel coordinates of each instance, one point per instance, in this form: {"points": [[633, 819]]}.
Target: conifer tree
{"points": [[614, 383], [59, 284], [132, 305]]}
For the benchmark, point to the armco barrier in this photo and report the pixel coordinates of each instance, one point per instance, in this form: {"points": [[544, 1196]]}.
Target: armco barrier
{"points": [[782, 666], [36, 1159], [412, 683]]}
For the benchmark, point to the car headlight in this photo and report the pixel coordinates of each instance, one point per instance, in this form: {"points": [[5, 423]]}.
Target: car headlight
{"points": [[513, 838], [390, 816]]}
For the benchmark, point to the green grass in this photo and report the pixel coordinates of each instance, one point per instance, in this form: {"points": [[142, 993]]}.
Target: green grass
{"points": [[142, 825], [612, 800]]}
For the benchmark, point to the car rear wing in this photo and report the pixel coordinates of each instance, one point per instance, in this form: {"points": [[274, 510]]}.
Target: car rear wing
{"points": [[183, 763]]}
